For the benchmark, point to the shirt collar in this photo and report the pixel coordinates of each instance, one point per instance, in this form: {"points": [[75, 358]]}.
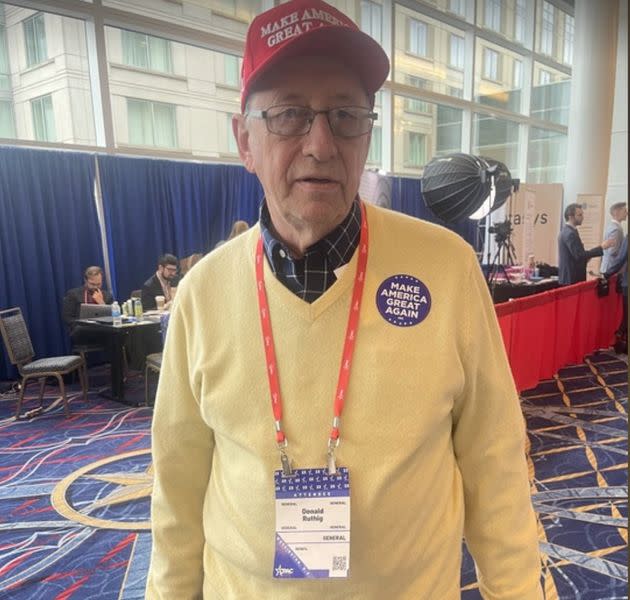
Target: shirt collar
{"points": [[337, 247]]}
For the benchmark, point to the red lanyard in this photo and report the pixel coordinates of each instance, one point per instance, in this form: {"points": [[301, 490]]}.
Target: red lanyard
{"points": [[348, 350]]}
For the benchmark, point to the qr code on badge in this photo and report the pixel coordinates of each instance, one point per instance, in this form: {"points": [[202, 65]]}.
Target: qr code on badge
{"points": [[340, 563]]}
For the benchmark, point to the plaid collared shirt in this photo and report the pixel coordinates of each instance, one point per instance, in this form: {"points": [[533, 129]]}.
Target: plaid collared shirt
{"points": [[310, 276]]}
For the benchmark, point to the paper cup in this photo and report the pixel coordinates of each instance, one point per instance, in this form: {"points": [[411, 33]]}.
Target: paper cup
{"points": [[159, 302]]}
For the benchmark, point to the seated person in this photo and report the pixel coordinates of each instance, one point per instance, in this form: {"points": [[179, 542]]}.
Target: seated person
{"points": [[162, 283], [91, 292]]}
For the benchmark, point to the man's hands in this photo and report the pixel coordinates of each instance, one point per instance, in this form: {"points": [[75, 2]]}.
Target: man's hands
{"points": [[609, 243], [97, 295]]}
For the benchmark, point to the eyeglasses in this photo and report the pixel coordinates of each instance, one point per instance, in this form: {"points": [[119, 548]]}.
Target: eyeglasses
{"points": [[344, 121]]}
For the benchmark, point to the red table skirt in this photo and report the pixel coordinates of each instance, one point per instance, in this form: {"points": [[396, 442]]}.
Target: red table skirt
{"points": [[547, 331]]}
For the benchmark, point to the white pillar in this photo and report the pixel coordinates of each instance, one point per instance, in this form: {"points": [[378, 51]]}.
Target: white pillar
{"points": [[592, 93]]}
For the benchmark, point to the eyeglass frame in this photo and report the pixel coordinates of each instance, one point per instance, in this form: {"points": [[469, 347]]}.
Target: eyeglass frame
{"points": [[263, 114]]}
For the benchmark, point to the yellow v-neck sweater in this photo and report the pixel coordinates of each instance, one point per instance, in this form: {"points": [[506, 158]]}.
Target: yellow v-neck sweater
{"points": [[432, 431]]}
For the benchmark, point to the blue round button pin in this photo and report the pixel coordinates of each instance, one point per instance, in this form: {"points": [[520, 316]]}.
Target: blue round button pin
{"points": [[403, 300]]}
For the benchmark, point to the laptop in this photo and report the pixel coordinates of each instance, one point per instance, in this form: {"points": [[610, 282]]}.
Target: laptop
{"points": [[95, 311]]}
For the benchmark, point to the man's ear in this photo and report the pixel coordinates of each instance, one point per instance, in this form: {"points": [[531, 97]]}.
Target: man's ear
{"points": [[241, 135]]}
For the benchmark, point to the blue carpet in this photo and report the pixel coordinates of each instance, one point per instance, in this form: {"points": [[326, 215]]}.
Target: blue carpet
{"points": [[74, 493]]}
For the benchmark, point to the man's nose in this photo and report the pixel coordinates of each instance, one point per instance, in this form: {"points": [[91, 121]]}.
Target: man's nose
{"points": [[319, 142]]}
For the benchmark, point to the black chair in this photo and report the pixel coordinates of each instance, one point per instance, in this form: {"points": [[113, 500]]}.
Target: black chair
{"points": [[20, 349], [136, 294], [153, 363]]}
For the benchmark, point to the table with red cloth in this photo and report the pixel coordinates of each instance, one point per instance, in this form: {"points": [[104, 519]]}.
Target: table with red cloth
{"points": [[547, 331]]}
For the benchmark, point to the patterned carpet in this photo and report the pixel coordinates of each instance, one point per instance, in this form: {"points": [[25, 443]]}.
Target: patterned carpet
{"points": [[74, 494]]}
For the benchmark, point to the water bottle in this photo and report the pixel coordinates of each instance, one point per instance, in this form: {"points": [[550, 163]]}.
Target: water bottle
{"points": [[117, 317], [138, 308]]}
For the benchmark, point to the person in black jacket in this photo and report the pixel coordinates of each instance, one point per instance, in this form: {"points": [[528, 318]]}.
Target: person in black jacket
{"points": [[620, 263], [161, 283], [572, 257], [91, 292]]}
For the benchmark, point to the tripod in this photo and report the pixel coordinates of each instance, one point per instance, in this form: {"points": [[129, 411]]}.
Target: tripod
{"points": [[505, 251]]}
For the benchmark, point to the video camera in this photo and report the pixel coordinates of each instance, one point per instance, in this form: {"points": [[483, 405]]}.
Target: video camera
{"points": [[502, 231]]}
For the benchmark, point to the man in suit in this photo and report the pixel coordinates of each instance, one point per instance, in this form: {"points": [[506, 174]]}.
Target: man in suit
{"points": [[614, 231], [91, 292], [620, 263], [162, 283], [572, 257]]}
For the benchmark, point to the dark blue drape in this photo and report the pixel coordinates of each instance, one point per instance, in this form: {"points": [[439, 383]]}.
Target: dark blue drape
{"points": [[407, 198], [156, 206], [49, 233]]}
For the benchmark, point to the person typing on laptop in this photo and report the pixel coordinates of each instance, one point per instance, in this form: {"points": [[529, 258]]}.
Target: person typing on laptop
{"points": [[91, 292]]}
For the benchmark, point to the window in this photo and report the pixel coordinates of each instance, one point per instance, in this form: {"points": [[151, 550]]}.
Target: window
{"points": [[492, 14], [517, 74], [7, 124], [231, 140], [546, 33], [5, 71], [520, 14], [544, 77], [146, 52], [418, 32], [151, 123], [449, 130], [416, 149], [413, 105], [569, 32], [456, 55], [375, 153], [372, 19], [490, 64], [455, 92], [35, 39], [230, 70], [43, 119], [457, 7]]}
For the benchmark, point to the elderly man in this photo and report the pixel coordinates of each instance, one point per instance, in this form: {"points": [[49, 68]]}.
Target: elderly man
{"points": [[572, 257], [331, 405], [614, 231]]}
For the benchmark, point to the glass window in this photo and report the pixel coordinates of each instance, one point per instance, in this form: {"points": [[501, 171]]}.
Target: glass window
{"points": [[7, 123], [221, 17], [569, 33], [151, 123], [547, 156], [35, 39], [417, 38], [372, 19], [146, 52], [498, 76], [433, 38], [551, 95], [376, 147], [5, 70], [492, 14], [497, 139], [43, 119], [412, 104], [457, 7], [546, 32], [456, 55], [417, 137], [416, 149], [520, 14], [231, 70], [490, 64], [232, 146]]}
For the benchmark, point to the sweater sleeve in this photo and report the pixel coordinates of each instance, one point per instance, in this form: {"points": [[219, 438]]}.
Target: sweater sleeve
{"points": [[489, 442], [182, 448]]}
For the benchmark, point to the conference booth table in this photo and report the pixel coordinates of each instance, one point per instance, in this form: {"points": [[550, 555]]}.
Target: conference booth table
{"points": [[128, 343], [547, 331], [502, 291]]}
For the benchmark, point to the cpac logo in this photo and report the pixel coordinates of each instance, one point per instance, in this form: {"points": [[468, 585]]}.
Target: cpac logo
{"points": [[283, 571]]}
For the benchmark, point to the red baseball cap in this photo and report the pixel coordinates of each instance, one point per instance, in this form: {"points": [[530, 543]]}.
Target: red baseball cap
{"points": [[307, 28]]}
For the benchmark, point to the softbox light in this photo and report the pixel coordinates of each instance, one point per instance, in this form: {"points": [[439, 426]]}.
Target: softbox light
{"points": [[459, 185]]}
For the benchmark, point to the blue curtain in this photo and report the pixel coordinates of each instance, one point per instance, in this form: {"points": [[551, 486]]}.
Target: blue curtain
{"points": [[49, 233], [156, 206], [407, 198]]}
